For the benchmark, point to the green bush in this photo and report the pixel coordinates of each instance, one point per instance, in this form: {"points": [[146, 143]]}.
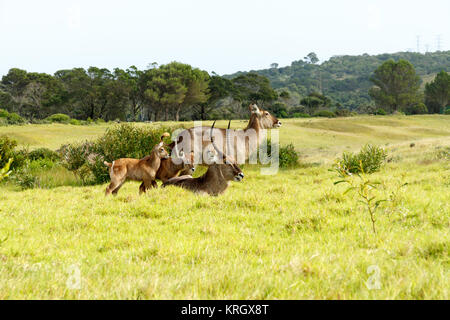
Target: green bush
{"points": [[4, 113], [419, 108], [381, 112], [7, 146], [58, 118], [287, 156], [368, 160], [120, 141], [10, 118], [43, 153], [447, 111], [24, 177], [342, 113], [301, 115], [75, 122], [325, 114]]}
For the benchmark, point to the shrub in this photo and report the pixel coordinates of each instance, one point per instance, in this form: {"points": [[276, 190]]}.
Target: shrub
{"points": [[58, 118], [342, 113], [24, 178], [447, 111], [43, 153], [10, 118], [325, 114], [287, 156], [419, 108], [7, 146], [380, 112], [301, 115], [120, 141], [75, 122], [370, 158]]}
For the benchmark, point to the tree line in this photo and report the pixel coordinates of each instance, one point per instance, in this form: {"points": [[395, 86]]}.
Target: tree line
{"points": [[174, 91], [177, 91]]}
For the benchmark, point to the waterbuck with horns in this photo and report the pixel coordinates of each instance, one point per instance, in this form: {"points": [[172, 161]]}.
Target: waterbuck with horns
{"points": [[239, 143], [144, 169], [215, 181]]}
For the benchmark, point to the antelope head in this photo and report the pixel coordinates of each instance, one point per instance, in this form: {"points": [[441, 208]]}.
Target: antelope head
{"points": [[159, 149], [226, 164], [265, 119]]}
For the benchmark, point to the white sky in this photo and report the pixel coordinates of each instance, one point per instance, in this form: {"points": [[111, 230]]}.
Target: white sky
{"points": [[224, 36]]}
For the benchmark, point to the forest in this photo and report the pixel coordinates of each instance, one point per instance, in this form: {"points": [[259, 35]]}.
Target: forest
{"points": [[341, 86]]}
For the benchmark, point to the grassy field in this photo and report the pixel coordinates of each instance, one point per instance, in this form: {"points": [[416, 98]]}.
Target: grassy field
{"points": [[294, 235]]}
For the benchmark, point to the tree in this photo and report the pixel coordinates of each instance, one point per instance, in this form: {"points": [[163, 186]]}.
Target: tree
{"points": [[274, 65], [396, 85], [311, 58], [437, 93], [315, 101], [254, 87]]}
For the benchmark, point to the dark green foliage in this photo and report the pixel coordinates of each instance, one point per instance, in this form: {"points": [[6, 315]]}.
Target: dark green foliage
{"points": [[11, 118], [419, 108], [437, 93], [120, 141], [447, 111], [287, 156], [325, 114], [301, 115], [58, 118], [370, 159], [396, 85], [380, 112], [43, 153], [345, 79]]}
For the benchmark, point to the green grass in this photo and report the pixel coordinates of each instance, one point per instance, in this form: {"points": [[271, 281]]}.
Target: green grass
{"points": [[293, 235]]}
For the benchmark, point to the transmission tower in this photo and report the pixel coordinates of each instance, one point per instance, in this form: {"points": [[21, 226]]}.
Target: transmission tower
{"points": [[418, 43], [438, 42]]}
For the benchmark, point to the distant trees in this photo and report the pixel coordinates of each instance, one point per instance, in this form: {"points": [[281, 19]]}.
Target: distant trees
{"points": [[315, 101], [174, 91], [396, 85], [437, 93], [311, 58]]}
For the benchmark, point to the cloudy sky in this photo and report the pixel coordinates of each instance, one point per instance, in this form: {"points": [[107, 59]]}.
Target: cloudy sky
{"points": [[221, 36]]}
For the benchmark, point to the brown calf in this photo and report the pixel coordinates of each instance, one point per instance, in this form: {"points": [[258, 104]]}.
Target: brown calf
{"points": [[144, 169]]}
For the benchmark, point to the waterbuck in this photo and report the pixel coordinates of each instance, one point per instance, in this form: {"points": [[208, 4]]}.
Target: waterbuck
{"points": [[171, 168], [239, 143], [144, 169], [215, 181]]}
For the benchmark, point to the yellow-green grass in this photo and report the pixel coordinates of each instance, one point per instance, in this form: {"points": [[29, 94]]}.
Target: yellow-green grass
{"points": [[288, 236]]}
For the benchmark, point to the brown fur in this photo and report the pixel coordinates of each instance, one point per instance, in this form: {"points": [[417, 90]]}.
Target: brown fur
{"points": [[259, 119], [144, 169], [168, 169], [215, 180]]}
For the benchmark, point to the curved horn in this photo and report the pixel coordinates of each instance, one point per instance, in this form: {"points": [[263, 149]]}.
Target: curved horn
{"points": [[227, 137], [212, 140]]}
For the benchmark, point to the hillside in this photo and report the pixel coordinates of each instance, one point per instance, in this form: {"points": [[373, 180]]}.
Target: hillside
{"points": [[346, 78]]}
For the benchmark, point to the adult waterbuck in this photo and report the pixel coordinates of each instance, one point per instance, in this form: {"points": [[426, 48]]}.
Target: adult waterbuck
{"points": [[237, 143], [221, 170]]}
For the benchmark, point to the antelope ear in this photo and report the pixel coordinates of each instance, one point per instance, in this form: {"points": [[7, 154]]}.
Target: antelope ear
{"points": [[254, 109], [160, 144]]}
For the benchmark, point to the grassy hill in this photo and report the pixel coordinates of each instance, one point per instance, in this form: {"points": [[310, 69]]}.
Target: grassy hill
{"points": [[293, 235], [346, 78]]}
